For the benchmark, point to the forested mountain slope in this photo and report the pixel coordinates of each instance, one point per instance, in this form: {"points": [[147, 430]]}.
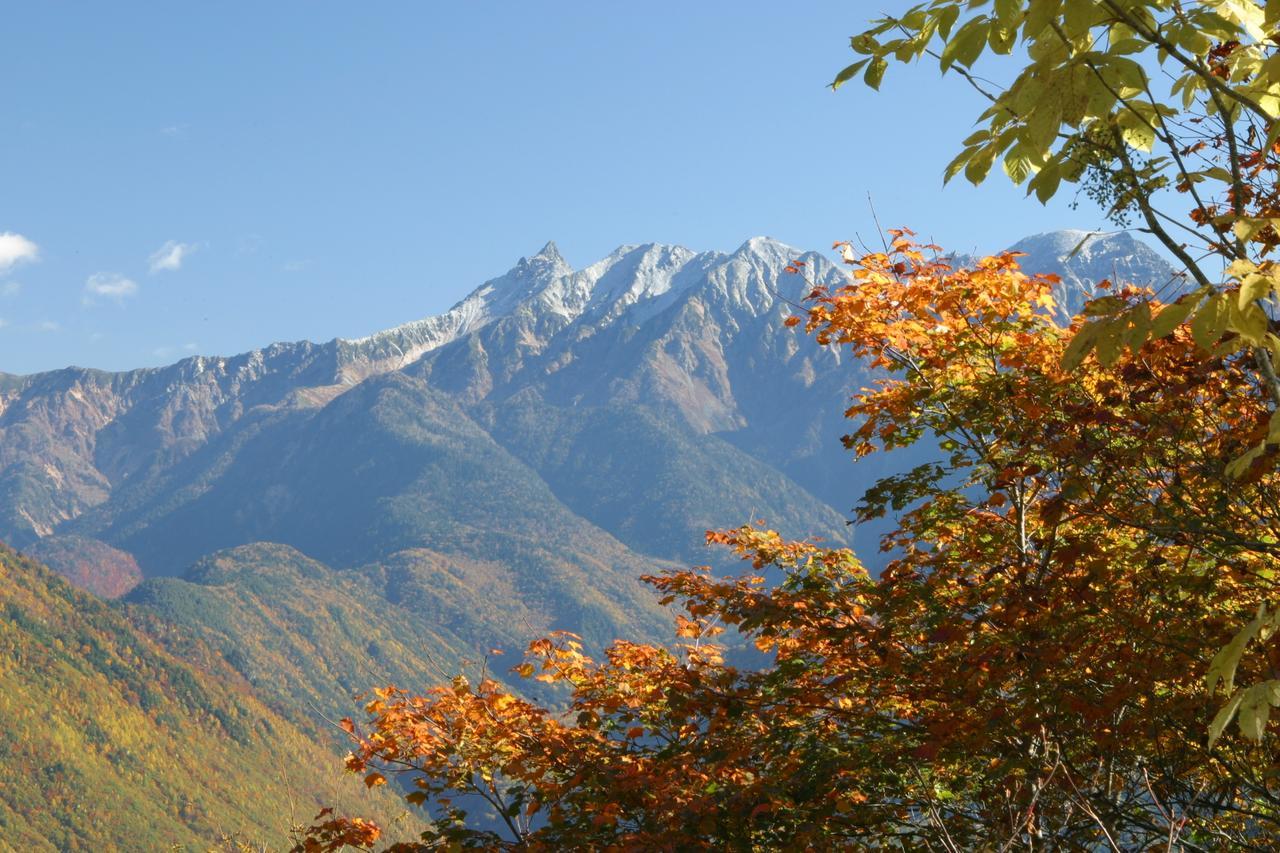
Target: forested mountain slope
{"points": [[113, 742]]}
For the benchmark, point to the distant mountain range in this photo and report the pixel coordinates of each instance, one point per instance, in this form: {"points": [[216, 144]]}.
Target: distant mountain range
{"points": [[329, 517], [561, 368]]}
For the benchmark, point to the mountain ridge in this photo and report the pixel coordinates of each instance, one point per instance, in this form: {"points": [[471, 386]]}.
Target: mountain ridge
{"points": [[654, 325], [1045, 252]]}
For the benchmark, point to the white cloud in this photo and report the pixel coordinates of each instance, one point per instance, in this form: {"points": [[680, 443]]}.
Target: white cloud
{"points": [[3, 322], [109, 285], [170, 256], [191, 347], [16, 249], [47, 326], [10, 288]]}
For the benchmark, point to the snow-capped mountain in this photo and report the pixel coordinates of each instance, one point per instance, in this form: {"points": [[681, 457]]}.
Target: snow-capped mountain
{"points": [[1084, 258], [653, 346], [498, 297], [630, 285], [305, 521]]}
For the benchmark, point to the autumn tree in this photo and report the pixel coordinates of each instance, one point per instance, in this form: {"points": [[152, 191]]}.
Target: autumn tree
{"points": [[1067, 582], [1028, 669], [1162, 112]]}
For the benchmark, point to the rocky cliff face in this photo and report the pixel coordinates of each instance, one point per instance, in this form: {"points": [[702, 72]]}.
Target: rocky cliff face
{"points": [[71, 438]]}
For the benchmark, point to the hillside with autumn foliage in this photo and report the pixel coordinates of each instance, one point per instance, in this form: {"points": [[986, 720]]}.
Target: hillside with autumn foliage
{"points": [[111, 741]]}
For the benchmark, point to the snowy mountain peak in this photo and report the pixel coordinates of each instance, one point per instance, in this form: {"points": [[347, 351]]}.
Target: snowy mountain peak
{"points": [[1084, 258], [1064, 239], [642, 278], [746, 282], [770, 249], [636, 282], [1077, 251], [541, 267], [1069, 240], [549, 255]]}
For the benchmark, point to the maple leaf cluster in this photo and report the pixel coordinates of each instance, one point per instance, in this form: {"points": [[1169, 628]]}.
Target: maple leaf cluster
{"points": [[1028, 669]]}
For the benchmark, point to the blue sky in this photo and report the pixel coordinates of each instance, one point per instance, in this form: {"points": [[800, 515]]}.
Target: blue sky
{"points": [[183, 178]]}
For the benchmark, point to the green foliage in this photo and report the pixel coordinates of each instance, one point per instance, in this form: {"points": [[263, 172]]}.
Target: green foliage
{"points": [[1083, 82]]}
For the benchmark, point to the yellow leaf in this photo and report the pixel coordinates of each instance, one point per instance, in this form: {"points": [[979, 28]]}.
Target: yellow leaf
{"points": [[1250, 322], [1241, 267], [1210, 321], [1172, 316], [1254, 286], [1246, 228]]}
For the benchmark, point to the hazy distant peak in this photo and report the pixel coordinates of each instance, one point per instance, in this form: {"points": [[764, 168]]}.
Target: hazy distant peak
{"points": [[1061, 236], [1085, 244]]}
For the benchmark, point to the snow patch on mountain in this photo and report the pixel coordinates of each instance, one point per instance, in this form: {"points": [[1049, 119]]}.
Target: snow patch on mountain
{"points": [[635, 283], [499, 297], [1084, 258], [631, 285]]}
